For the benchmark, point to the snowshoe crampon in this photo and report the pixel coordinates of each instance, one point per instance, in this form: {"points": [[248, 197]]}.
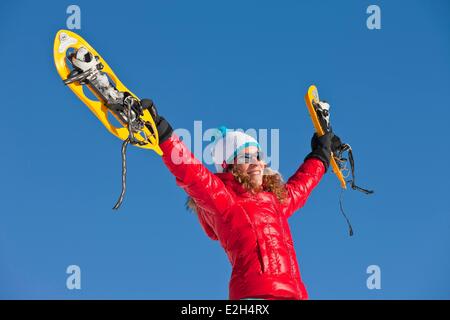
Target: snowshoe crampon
{"points": [[319, 113], [80, 65]]}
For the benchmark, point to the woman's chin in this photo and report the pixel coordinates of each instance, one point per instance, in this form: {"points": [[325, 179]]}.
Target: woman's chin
{"points": [[256, 181]]}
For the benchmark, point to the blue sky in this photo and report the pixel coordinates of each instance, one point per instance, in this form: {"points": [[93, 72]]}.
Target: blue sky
{"points": [[243, 64]]}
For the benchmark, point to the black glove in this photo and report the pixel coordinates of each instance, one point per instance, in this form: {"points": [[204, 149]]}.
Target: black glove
{"points": [[336, 144], [321, 148], [164, 128]]}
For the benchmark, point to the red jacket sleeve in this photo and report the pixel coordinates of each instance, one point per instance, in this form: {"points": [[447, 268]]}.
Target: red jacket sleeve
{"points": [[300, 185], [207, 190]]}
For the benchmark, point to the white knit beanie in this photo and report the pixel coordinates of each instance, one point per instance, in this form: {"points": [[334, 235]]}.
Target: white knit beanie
{"points": [[227, 146]]}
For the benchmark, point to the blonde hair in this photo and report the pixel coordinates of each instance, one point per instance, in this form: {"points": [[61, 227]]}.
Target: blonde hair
{"points": [[272, 182]]}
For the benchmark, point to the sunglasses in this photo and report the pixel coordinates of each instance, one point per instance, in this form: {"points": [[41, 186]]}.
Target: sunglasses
{"points": [[250, 157]]}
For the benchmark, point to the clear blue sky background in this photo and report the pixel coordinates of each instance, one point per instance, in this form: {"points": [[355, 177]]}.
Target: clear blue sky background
{"points": [[241, 64]]}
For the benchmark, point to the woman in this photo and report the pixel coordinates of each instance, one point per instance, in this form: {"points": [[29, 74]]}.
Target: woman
{"points": [[245, 206]]}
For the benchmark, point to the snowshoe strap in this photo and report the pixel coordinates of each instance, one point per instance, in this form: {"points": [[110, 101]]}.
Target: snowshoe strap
{"points": [[124, 174], [128, 102], [350, 228], [340, 159], [352, 168]]}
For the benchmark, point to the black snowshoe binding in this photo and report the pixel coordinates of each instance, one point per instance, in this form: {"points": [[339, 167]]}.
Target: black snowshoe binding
{"points": [[87, 71]]}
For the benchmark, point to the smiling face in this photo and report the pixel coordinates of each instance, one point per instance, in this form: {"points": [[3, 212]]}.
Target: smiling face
{"points": [[250, 163]]}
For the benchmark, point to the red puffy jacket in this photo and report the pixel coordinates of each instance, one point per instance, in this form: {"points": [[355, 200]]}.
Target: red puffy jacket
{"points": [[252, 228]]}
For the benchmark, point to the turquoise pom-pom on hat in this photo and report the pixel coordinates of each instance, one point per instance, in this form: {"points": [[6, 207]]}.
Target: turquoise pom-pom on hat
{"points": [[223, 130]]}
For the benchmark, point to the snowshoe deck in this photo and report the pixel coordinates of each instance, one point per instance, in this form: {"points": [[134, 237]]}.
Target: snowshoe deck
{"points": [[146, 136], [311, 98]]}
